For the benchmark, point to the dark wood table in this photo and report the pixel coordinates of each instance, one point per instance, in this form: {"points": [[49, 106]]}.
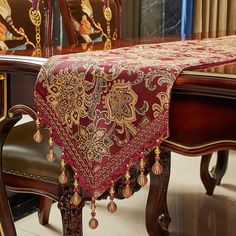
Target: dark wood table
{"points": [[202, 116]]}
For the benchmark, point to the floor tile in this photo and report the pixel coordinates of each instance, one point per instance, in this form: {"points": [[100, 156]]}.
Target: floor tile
{"points": [[193, 212]]}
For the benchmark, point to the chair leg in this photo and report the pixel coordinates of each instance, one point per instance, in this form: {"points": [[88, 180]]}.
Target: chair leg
{"points": [[157, 216], [218, 171], [44, 210], [71, 216], [6, 219]]}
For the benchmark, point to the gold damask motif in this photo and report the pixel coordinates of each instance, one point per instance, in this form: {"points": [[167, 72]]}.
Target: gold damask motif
{"points": [[163, 97], [69, 98], [120, 103], [93, 142]]}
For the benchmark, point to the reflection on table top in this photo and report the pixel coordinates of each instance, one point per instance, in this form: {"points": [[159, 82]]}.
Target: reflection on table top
{"points": [[38, 57]]}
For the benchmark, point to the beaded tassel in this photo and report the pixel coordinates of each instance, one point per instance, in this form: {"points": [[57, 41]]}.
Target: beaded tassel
{"points": [[127, 191], [142, 179], [51, 155], [112, 207], [63, 179], [38, 136], [76, 198], [157, 167], [93, 223]]}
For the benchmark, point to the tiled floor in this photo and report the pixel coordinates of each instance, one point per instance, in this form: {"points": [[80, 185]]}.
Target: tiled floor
{"points": [[193, 213]]}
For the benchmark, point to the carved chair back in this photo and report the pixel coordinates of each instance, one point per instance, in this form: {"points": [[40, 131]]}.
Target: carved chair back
{"points": [[91, 21], [25, 24]]}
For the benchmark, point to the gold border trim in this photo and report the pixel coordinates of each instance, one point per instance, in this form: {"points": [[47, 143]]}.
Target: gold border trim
{"points": [[200, 146], [3, 78], [210, 74]]}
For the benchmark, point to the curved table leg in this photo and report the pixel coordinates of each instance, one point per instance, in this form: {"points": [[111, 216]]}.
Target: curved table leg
{"points": [[71, 216], [221, 166], [157, 216], [218, 171]]}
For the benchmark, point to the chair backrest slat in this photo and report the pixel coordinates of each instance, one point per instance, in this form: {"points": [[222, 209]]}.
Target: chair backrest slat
{"points": [[91, 20], [24, 24]]}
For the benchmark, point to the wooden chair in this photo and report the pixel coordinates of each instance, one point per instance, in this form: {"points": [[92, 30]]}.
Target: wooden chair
{"points": [[23, 25], [91, 21], [34, 174]]}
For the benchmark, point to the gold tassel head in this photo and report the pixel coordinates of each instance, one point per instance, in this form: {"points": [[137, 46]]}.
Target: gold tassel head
{"points": [[112, 207], [142, 180], [63, 179], [93, 223], [127, 191], [76, 199], [157, 168], [38, 137], [51, 156]]}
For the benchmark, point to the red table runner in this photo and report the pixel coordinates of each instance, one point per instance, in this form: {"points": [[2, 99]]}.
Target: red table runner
{"points": [[105, 107]]}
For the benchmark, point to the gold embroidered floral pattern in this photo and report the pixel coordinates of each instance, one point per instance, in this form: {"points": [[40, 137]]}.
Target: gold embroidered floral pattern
{"points": [[93, 143], [69, 98], [120, 103]]}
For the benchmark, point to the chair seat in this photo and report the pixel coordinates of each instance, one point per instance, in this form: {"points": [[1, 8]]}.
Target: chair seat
{"points": [[22, 156]]}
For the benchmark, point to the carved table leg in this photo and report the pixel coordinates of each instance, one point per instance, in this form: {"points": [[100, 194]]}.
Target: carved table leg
{"points": [[71, 215], [218, 171], [157, 216]]}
